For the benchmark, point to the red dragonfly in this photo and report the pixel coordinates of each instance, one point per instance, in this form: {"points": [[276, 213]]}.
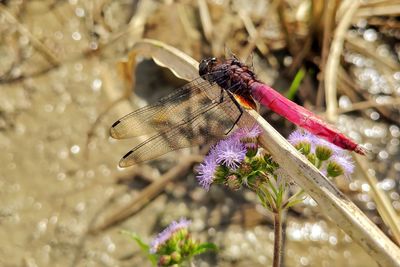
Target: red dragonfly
{"points": [[207, 108]]}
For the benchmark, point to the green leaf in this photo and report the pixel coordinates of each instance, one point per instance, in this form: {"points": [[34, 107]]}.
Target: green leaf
{"points": [[292, 203], [279, 196], [143, 246], [294, 87], [266, 199], [203, 248]]}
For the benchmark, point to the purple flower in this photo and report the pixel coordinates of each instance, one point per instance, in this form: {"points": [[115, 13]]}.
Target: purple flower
{"points": [[230, 152], [321, 142], [337, 160], [167, 234], [244, 133], [207, 169], [345, 162], [300, 136]]}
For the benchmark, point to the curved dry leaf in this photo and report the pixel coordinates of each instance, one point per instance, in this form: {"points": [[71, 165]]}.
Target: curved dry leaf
{"points": [[182, 65]]}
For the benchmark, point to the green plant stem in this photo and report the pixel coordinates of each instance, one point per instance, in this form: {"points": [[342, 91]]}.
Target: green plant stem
{"points": [[277, 238]]}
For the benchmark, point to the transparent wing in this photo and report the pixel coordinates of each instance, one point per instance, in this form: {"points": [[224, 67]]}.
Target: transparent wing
{"points": [[208, 123], [171, 110]]}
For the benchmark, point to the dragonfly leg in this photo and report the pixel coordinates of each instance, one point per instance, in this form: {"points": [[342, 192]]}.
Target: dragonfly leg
{"points": [[239, 108], [221, 97]]}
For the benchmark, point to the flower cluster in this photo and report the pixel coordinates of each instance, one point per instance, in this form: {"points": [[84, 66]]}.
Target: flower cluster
{"points": [[173, 246], [237, 161], [231, 161], [167, 233], [330, 159]]}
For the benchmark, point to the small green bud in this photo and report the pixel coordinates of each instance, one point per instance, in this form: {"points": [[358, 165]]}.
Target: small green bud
{"points": [[191, 244], [245, 169], [176, 256], [303, 147], [220, 173], [323, 152], [252, 150], [164, 260], [233, 182], [333, 169], [312, 158], [184, 232]]}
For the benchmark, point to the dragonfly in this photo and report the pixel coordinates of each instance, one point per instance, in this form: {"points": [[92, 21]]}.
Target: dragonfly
{"points": [[208, 108]]}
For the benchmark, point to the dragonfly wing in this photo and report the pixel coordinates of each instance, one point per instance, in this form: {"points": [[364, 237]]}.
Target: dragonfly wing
{"points": [[168, 111], [206, 125]]}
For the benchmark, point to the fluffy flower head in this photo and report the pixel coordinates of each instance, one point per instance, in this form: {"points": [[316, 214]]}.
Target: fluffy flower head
{"points": [[206, 170], [167, 233], [230, 152], [335, 159]]}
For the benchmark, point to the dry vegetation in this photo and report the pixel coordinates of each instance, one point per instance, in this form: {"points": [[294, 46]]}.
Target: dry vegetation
{"points": [[68, 69]]}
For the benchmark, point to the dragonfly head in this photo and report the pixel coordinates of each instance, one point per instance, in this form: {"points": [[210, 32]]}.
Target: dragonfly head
{"points": [[206, 65]]}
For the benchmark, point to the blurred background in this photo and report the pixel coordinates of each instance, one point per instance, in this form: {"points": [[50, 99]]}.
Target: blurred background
{"points": [[63, 200]]}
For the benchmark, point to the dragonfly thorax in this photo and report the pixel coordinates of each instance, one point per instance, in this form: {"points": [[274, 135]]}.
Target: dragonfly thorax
{"points": [[230, 74]]}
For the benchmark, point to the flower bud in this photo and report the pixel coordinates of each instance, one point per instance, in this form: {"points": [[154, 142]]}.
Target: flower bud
{"points": [[252, 149], [312, 158], [233, 182], [176, 256], [334, 169], [164, 260], [303, 147], [220, 173], [323, 152], [245, 169]]}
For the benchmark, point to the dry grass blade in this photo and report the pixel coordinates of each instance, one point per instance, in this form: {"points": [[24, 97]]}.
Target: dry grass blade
{"points": [[360, 45], [333, 61], [370, 104], [384, 10], [49, 55], [179, 63], [205, 19], [189, 29], [329, 11], [255, 40], [383, 204]]}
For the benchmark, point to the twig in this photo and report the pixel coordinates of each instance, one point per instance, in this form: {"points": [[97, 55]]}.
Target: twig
{"points": [[191, 32], [385, 10], [146, 195], [329, 11], [369, 104], [254, 37], [361, 46], [48, 54], [285, 26], [334, 58], [352, 90], [205, 20]]}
